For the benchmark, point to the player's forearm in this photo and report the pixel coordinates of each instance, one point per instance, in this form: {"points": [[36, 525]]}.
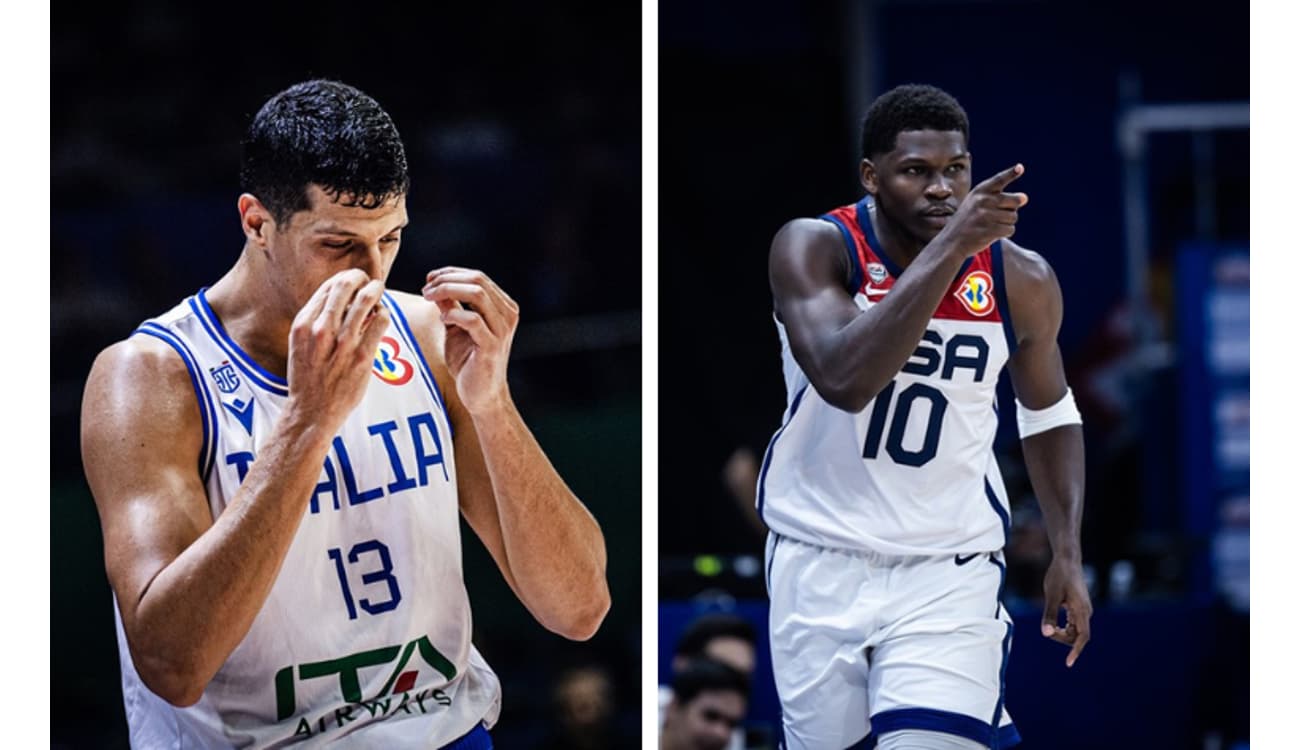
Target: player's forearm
{"points": [[1055, 461], [199, 607], [555, 548], [868, 352]]}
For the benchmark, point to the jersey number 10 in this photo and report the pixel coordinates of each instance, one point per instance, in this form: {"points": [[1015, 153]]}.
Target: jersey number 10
{"points": [[902, 411]]}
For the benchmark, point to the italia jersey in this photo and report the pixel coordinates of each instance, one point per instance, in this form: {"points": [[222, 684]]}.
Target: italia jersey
{"points": [[913, 473], [365, 637]]}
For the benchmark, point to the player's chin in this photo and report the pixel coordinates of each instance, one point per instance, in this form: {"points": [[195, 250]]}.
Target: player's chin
{"points": [[929, 227]]}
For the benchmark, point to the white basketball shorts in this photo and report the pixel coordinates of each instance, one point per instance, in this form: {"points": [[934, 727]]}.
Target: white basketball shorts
{"points": [[865, 644]]}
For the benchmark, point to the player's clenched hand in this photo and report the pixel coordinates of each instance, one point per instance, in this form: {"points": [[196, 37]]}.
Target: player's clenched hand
{"points": [[1064, 587], [986, 213], [480, 320], [332, 346]]}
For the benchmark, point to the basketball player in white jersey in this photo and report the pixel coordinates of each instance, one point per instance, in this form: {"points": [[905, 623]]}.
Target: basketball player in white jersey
{"points": [[887, 512], [280, 464]]}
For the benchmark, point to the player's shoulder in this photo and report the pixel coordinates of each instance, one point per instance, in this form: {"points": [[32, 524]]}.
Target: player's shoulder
{"points": [[1033, 291], [140, 363], [806, 247], [140, 384], [805, 231], [1026, 268]]}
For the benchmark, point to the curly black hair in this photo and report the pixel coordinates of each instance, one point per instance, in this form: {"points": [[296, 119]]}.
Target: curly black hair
{"points": [[695, 640], [909, 107], [327, 133], [706, 674]]}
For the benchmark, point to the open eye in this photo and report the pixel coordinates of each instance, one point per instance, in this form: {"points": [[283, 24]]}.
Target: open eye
{"points": [[956, 168], [913, 171]]}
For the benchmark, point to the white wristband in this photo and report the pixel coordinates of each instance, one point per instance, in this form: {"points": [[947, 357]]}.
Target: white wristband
{"points": [[1062, 412]]}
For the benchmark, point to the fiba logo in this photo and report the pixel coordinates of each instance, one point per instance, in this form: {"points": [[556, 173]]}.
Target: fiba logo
{"points": [[389, 367], [976, 293]]}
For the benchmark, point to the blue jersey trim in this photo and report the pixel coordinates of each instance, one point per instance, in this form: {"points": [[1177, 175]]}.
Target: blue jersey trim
{"points": [[1002, 582], [1002, 682], [1000, 294], [207, 410], [430, 382], [855, 263], [767, 456], [475, 739], [997, 508], [212, 325], [864, 223], [949, 722]]}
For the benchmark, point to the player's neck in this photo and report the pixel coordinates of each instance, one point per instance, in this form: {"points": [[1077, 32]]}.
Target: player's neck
{"points": [[239, 300], [901, 247]]}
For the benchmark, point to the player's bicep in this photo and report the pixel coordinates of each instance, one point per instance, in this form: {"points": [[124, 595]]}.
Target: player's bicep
{"points": [[807, 270], [1037, 373], [141, 434]]}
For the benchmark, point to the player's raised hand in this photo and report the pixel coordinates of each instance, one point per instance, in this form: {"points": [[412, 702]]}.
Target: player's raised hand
{"points": [[1064, 587], [987, 213], [481, 320], [332, 346]]}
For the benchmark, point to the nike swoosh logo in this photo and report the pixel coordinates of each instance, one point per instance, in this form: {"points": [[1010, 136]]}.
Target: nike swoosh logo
{"points": [[963, 560]]}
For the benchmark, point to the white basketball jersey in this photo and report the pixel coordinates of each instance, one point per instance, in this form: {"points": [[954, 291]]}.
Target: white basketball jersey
{"points": [[913, 473], [365, 637]]}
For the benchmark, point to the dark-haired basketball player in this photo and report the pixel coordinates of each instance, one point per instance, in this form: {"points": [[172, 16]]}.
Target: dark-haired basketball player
{"points": [[281, 462], [888, 514]]}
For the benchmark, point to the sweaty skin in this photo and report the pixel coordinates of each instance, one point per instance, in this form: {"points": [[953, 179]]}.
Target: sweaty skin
{"points": [[850, 354]]}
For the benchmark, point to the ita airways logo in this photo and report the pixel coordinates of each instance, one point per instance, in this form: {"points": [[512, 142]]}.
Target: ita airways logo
{"points": [[389, 367], [976, 293]]}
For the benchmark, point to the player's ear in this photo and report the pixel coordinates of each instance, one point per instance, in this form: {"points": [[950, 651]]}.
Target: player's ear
{"points": [[255, 219], [867, 175]]}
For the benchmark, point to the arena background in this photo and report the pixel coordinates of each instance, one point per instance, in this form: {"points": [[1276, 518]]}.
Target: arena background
{"points": [[522, 131], [1141, 208]]}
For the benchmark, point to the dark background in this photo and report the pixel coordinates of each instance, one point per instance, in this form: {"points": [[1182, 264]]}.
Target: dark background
{"points": [[760, 110], [522, 129]]}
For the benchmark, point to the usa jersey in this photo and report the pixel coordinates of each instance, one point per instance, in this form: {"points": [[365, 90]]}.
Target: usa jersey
{"points": [[913, 473], [365, 637]]}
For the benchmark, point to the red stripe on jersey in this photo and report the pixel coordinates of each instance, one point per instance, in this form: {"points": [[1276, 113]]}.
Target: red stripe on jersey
{"points": [[970, 296]]}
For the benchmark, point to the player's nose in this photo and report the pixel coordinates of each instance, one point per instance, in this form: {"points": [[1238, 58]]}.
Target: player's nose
{"points": [[371, 262], [939, 189]]}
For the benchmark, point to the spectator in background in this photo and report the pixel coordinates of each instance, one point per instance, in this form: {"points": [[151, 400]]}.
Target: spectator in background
{"points": [[722, 638], [709, 700], [584, 710]]}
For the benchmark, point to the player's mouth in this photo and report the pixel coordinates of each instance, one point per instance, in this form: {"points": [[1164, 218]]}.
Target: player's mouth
{"points": [[937, 216]]}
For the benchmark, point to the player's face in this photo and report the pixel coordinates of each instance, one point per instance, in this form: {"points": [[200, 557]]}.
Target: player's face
{"points": [[710, 719], [921, 182], [329, 237]]}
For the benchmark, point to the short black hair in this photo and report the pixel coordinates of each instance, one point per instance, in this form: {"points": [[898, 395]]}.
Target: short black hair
{"points": [[910, 107], [327, 133], [700, 675], [703, 630]]}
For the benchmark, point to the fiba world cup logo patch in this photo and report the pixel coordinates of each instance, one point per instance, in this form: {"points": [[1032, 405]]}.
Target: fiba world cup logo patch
{"points": [[389, 367], [976, 293]]}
